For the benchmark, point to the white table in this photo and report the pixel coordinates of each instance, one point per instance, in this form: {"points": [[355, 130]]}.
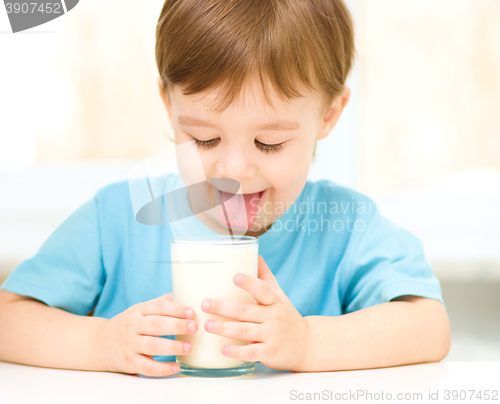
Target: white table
{"points": [[34, 385]]}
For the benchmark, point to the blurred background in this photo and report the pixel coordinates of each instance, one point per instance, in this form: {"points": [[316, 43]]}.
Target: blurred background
{"points": [[79, 106]]}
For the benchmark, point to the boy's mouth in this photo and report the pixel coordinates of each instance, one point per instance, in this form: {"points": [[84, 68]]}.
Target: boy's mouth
{"points": [[239, 211]]}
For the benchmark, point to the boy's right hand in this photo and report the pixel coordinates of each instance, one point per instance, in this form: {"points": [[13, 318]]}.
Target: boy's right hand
{"points": [[129, 340]]}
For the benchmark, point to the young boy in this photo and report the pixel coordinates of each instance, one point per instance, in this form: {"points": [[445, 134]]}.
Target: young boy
{"points": [[254, 85]]}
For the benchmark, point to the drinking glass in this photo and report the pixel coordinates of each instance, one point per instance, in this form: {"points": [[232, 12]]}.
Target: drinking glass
{"points": [[203, 268]]}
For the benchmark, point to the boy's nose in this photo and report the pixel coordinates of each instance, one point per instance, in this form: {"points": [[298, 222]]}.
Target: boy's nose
{"points": [[236, 166]]}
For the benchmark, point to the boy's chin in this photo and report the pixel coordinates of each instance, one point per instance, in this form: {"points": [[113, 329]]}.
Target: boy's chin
{"points": [[258, 229]]}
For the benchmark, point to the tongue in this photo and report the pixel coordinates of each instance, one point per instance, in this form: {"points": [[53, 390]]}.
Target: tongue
{"points": [[241, 209]]}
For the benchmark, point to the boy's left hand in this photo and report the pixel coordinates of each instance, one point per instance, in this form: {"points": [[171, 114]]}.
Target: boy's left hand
{"points": [[277, 332]]}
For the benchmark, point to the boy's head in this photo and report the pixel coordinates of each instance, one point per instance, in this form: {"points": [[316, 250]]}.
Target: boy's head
{"points": [[231, 69]]}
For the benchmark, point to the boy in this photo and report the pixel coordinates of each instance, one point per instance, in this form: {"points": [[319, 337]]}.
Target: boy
{"points": [[253, 85]]}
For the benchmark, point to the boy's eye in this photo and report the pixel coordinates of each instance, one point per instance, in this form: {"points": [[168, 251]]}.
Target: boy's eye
{"points": [[261, 146], [206, 143], [269, 147]]}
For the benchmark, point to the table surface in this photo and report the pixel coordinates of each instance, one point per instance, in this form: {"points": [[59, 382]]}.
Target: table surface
{"points": [[31, 384]]}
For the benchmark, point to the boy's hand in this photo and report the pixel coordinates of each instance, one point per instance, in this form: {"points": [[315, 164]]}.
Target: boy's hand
{"points": [[129, 340], [276, 330]]}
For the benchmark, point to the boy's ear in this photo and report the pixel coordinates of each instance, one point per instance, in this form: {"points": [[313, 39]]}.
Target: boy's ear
{"points": [[165, 97], [332, 114]]}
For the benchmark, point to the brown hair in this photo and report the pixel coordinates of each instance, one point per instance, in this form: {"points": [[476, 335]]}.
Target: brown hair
{"points": [[295, 44]]}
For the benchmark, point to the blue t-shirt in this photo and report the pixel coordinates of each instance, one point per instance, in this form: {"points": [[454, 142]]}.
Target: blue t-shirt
{"points": [[331, 252]]}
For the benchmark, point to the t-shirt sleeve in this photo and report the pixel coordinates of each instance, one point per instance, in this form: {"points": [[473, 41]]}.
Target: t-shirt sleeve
{"points": [[388, 262], [67, 271]]}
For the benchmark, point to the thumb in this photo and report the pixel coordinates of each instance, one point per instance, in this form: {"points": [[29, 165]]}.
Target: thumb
{"points": [[265, 273]]}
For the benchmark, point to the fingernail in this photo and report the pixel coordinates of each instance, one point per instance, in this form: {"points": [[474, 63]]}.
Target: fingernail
{"points": [[239, 278], [225, 349], [192, 326], [189, 313], [209, 325], [187, 347], [175, 368], [205, 305]]}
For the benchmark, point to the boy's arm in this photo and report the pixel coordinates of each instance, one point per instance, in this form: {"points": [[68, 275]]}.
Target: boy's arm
{"points": [[410, 329], [34, 333]]}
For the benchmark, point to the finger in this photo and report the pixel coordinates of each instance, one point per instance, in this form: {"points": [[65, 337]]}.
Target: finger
{"points": [[262, 291], [242, 311], [167, 296], [266, 274], [161, 325], [235, 329], [164, 307], [162, 346], [150, 367], [248, 353]]}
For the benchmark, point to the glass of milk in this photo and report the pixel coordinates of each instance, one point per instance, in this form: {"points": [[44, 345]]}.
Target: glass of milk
{"points": [[203, 268]]}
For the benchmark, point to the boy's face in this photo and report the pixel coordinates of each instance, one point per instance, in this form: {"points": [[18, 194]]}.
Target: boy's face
{"points": [[267, 151]]}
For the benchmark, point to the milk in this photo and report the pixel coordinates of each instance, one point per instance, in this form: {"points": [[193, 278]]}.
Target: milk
{"points": [[208, 274]]}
